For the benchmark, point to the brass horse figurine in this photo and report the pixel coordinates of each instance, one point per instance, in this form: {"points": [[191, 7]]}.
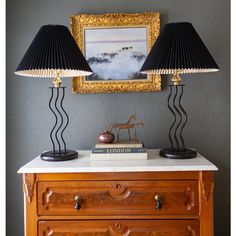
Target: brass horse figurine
{"points": [[128, 125]]}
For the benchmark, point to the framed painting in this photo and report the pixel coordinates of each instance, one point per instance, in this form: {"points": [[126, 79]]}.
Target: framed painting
{"points": [[115, 46]]}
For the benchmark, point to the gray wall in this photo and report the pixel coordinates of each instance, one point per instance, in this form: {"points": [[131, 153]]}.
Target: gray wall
{"points": [[206, 96]]}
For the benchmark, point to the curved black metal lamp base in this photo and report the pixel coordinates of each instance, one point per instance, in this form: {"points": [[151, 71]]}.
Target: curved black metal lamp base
{"points": [[178, 154], [59, 156], [177, 148], [59, 151]]}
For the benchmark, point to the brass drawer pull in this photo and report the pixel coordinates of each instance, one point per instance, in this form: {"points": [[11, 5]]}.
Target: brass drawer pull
{"points": [[77, 202], [158, 202]]}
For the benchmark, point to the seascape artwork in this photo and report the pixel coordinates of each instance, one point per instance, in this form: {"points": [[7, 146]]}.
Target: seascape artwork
{"points": [[116, 53]]}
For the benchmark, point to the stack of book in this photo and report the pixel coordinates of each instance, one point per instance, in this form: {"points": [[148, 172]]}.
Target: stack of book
{"points": [[123, 150]]}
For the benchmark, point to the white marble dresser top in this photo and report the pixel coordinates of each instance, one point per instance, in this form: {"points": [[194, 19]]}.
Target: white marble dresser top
{"points": [[84, 164]]}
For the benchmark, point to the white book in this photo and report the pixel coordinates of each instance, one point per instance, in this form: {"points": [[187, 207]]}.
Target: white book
{"points": [[118, 156]]}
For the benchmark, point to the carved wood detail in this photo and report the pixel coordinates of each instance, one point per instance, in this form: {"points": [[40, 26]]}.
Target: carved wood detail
{"points": [[189, 199], [119, 204], [112, 197], [119, 192], [207, 186], [46, 197], [119, 229], [190, 231], [48, 232], [207, 189], [29, 184]]}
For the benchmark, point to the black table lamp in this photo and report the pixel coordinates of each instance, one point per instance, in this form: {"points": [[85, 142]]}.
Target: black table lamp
{"points": [[178, 50], [55, 54]]}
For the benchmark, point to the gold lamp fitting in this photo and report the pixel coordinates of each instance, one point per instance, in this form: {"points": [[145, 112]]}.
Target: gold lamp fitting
{"points": [[57, 80], [176, 78]]}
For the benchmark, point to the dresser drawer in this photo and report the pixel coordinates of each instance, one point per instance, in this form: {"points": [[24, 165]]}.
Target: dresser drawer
{"points": [[120, 227], [117, 198]]}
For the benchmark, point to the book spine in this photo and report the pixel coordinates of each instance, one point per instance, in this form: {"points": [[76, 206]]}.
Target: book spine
{"points": [[118, 156], [118, 150], [138, 145]]}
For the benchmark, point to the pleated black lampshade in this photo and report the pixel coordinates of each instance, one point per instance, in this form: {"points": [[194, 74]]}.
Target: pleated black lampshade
{"points": [[53, 50], [179, 49]]}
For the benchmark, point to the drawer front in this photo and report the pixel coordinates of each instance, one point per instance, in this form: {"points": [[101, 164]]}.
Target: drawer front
{"points": [[118, 198], [120, 227]]}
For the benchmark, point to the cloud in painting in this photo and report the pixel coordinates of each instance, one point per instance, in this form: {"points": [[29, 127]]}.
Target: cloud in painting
{"points": [[116, 54]]}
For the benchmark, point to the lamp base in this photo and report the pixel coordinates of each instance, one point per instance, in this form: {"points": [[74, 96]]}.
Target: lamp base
{"points": [[175, 154], [59, 156]]}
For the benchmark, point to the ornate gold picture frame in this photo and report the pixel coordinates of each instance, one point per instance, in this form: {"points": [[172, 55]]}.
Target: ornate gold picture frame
{"points": [[115, 39]]}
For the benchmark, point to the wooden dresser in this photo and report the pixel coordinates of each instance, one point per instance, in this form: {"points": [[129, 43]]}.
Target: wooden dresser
{"points": [[157, 196]]}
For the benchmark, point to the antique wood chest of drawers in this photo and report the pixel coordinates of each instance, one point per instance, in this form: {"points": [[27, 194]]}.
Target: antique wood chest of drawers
{"points": [[157, 196]]}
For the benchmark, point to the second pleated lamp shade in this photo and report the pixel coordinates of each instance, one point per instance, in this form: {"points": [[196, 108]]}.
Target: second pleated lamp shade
{"points": [[179, 48]]}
